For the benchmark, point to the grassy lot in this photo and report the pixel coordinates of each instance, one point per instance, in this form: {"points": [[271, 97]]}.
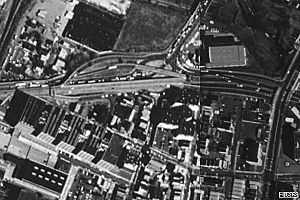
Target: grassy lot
{"points": [[4, 15], [149, 28], [186, 3]]}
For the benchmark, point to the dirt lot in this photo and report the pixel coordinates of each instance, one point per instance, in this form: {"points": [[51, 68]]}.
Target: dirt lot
{"points": [[51, 9]]}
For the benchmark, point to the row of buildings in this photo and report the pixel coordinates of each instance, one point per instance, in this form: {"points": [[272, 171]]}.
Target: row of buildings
{"points": [[49, 136]]}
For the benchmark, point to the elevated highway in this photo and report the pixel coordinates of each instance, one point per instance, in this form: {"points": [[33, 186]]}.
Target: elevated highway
{"points": [[78, 91], [117, 87], [98, 74], [246, 87], [237, 80], [240, 74], [113, 58]]}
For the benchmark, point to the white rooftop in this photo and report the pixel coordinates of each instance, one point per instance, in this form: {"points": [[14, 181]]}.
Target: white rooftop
{"points": [[118, 6]]}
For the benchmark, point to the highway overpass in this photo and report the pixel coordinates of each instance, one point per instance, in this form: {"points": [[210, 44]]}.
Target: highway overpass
{"points": [[85, 90], [98, 73]]}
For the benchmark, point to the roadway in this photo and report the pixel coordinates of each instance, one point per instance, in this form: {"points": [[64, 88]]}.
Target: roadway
{"points": [[117, 87], [240, 74], [208, 83], [236, 86], [192, 24], [233, 81], [98, 74], [84, 73], [204, 6], [222, 173], [237, 83], [276, 120], [155, 84], [86, 90], [236, 91], [112, 58], [288, 177]]}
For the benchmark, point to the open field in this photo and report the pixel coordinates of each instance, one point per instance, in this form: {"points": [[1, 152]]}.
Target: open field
{"points": [[4, 12], [182, 3], [149, 28]]}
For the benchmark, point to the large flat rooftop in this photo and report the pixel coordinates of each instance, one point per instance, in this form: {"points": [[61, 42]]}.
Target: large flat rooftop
{"points": [[41, 175], [227, 56]]}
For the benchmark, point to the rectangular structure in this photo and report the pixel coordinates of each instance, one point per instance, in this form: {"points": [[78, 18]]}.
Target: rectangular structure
{"points": [[41, 175], [227, 56]]}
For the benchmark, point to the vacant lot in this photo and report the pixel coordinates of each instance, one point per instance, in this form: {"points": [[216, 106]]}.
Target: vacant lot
{"points": [[149, 28]]}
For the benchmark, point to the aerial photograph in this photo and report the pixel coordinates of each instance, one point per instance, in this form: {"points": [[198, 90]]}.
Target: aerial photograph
{"points": [[248, 136], [149, 99], [101, 100]]}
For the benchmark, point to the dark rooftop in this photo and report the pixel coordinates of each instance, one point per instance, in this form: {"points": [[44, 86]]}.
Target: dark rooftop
{"points": [[114, 150], [41, 175]]}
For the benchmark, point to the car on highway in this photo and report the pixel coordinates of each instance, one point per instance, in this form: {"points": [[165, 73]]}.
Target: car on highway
{"points": [[112, 67], [20, 85], [34, 84]]}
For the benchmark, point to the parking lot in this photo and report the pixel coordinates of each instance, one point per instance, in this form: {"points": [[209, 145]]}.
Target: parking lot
{"points": [[93, 27]]}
